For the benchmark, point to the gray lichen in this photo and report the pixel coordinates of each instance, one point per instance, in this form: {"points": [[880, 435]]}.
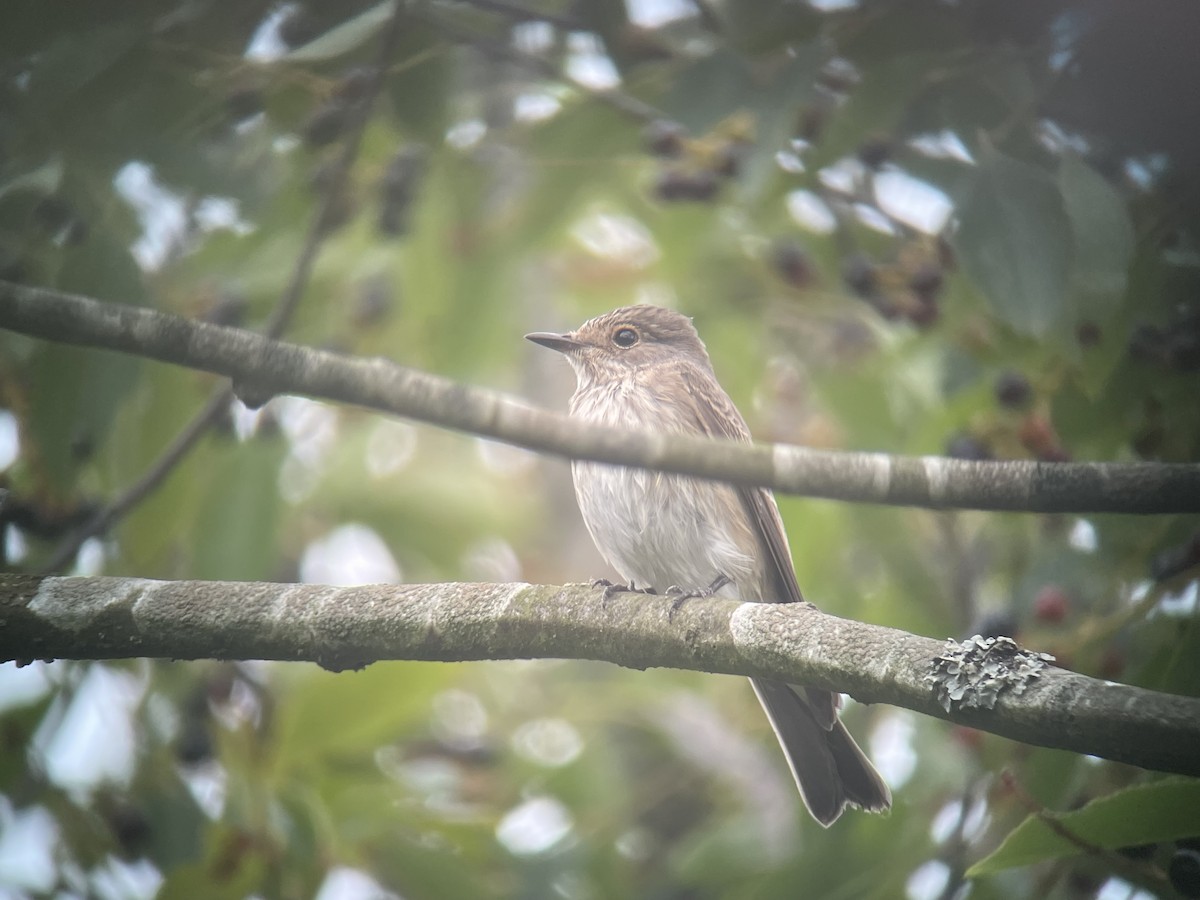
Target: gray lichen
{"points": [[975, 672]]}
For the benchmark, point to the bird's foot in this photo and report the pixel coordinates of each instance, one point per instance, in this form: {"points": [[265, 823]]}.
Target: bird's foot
{"points": [[679, 596], [611, 589]]}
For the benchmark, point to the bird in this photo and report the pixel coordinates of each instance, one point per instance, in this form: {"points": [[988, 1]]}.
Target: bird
{"points": [[645, 367]]}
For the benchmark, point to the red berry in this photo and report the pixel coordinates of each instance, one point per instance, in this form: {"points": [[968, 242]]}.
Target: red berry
{"points": [[969, 738], [1051, 604], [1112, 662], [1037, 435]]}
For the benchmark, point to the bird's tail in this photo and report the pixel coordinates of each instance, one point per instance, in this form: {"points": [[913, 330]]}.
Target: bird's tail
{"points": [[830, 769]]}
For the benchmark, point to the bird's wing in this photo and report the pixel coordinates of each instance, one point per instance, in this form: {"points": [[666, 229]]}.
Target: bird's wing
{"points": [[715, 416]]}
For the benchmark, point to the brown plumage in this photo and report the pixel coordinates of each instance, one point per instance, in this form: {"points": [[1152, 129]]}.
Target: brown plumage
{"points": [[646, 367]]}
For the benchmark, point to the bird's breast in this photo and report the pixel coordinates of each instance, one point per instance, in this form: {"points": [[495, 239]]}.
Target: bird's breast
{"points": [[659, 530]]}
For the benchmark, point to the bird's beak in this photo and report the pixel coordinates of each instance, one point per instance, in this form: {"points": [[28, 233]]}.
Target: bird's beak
{"points": [[560, 342]]}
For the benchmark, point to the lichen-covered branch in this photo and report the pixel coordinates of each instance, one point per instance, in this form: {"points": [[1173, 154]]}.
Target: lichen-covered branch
{"points": [[103, 618], [262, 366]]}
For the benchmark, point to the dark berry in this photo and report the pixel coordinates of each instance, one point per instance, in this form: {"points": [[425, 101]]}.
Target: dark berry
{"points": [[1088, 334], [325, 124], [926, 281], [924, 313], [791, 263], [1051, 604], [812, 122], [675, 185], [404, 169], [129, 825], [398, 188], [728, 161], [664, 138], [195, 744], [860, 275], [354, 85], [874, 152], [1013, 390]]}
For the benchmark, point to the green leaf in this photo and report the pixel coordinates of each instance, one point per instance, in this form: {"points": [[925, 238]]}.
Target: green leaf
{"points": [[1014, 240], [80, 390], [343, 38], [350, 714], [74, 61], [1103, 237], [1146, 814], [236, 531]]}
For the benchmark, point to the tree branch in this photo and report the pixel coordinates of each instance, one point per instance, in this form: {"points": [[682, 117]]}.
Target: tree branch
{"points": [[105, 618], [266, 366]]}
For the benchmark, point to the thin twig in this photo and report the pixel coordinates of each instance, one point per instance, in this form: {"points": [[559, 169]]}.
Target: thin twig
{"points": [[276, 324]]}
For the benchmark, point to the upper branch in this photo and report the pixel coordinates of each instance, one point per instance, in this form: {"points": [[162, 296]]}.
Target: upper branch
{"points": [[265, 367], [101, 618]]}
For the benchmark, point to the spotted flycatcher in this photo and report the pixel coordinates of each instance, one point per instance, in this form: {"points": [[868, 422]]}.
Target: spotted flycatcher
{"points": [[644, 367]]}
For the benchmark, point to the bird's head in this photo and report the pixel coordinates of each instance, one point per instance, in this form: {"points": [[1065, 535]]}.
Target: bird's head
{"points": [[613, 346]]}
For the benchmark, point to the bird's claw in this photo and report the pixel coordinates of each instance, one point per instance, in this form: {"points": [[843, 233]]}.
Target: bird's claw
{"points": [[680, 596], [611, 589]]}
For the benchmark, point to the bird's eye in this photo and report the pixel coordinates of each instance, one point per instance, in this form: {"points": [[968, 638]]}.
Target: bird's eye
{"points": [[625, 336]]}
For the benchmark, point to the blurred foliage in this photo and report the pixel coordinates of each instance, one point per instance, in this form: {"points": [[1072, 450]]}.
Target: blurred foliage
{"points": [[915, 227]]}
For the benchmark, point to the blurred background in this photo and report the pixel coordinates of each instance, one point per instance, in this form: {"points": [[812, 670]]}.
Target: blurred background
{"points": [[965, 228]]}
